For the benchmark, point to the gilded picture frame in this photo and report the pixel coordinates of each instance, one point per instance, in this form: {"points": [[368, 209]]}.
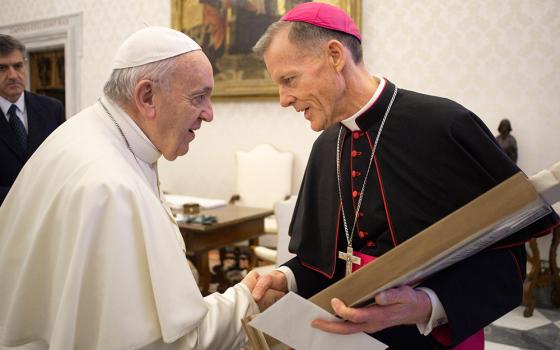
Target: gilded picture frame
{"points": [[228, 29]]}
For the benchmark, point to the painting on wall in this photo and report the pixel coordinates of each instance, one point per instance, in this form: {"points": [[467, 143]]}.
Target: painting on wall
{"points": [[227, 30]]}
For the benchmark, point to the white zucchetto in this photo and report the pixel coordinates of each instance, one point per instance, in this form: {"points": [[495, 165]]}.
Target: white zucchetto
{"points": [[152, 44]]}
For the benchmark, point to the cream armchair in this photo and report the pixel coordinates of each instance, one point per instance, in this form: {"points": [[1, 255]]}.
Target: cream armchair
{"points": [[283, 212], [264, 176]]}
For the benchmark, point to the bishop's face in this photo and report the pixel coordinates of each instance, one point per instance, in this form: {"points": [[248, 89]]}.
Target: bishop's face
{"points": [[183, 104], [12, 75], [306, 80]]}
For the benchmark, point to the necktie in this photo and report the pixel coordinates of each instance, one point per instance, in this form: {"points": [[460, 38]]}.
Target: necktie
{"points": [[18, 127]]}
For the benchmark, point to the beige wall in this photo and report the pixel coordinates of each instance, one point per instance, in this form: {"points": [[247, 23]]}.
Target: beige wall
{"points": [[499, 58]]}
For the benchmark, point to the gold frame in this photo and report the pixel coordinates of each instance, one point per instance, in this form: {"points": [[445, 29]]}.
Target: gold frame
{"points": [[230, 85], [258, 340]]}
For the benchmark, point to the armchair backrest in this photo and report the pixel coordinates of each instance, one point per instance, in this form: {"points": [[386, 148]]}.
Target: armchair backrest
{"points": [[283, 211], [264, 176]]}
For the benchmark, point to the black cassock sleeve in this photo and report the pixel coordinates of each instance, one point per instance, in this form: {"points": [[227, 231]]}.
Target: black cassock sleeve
{"points": [[310, 282], [482, 288]]}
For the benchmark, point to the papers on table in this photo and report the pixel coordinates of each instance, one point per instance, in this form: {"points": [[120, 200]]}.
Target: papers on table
{"points": [[289, 320], [177, 201]]}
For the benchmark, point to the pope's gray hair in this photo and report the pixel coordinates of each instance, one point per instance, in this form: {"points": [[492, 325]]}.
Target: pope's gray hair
{"points": [[307, 36], [121, 83]]}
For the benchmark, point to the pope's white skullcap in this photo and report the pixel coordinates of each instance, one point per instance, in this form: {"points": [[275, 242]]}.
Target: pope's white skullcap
{"points": [[152, 44]]}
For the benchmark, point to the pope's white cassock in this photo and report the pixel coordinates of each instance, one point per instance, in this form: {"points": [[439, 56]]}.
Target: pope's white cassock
{"points": [[91, 257]]}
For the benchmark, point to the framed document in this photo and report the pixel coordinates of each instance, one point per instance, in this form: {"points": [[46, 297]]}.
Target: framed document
{"points": [[256, 338], [494, 215], [259, 340]]}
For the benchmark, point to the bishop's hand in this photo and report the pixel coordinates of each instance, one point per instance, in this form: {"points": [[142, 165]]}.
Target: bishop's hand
{"points": [[393, 307], [275, 282], [267, 296]]}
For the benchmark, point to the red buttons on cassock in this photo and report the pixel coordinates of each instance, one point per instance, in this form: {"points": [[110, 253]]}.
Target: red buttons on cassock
{"points": [[361, 214], [356, 135], [356, 173], [355, 153], [370, 244], [362, 234], [355, 194]]}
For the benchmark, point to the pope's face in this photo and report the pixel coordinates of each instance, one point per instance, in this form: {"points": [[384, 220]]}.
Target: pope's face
{"points": [[183, 104], [12, 75], [306, 80]]}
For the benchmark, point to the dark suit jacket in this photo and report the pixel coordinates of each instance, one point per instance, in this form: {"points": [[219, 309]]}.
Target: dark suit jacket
{"points": [[44, 114]]}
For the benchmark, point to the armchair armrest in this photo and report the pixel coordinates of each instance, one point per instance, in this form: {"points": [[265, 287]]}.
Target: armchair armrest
{"points": [[266, 254]]}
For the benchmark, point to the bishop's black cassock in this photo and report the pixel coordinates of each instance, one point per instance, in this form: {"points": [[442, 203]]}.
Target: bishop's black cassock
{"points": [[433, 157]]}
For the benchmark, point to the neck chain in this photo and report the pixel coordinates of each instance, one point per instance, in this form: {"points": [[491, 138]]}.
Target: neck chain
{"points": [[350, 234], [118, 127], [127, 143], [123, 136]]}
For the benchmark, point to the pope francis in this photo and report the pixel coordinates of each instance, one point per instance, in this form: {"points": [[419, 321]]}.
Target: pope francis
{"points": [[90, 256]]}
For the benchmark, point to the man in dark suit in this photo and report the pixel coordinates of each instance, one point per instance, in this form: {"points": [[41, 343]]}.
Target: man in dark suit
{"points": [[27, 119]]}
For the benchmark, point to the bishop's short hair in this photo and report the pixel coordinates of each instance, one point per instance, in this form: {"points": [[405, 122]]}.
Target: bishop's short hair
{"points": [[307, 36]]}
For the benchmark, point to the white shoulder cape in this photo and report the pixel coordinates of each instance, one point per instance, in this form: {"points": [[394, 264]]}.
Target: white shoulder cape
{"points": [[89, 257]]}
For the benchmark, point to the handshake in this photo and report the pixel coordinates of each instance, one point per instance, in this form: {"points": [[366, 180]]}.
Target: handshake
{"points": [[266, 289], [402, 305]]}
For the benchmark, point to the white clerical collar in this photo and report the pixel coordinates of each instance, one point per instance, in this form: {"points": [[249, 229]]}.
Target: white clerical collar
{"points": [[5, 104], [141, 146], [350, 122]]}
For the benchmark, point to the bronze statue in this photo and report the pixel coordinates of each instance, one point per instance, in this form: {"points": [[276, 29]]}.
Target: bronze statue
{"points": [[506, 141]]}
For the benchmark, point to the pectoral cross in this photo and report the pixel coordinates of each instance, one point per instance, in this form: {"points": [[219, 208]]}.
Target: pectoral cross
{"points": [[350, 259]]}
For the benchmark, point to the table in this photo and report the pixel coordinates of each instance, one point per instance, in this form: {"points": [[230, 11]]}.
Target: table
{"points": [[542, 274], [234, 224]]}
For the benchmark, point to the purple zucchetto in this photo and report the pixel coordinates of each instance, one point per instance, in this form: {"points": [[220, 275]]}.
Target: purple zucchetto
{"points": [[325, 16]]}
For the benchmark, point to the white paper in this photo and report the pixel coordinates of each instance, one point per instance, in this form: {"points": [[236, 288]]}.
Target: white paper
{"points": [[176, 201], [289, 320]]}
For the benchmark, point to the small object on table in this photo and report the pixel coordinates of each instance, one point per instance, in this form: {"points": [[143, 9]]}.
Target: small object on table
{"points": [[197, 219], [191, 208]]}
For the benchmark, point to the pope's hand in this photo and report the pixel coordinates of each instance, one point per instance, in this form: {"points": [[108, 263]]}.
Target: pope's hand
{"points": [[397, 306], [275, 280], [251, 280], [268, 296]]}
